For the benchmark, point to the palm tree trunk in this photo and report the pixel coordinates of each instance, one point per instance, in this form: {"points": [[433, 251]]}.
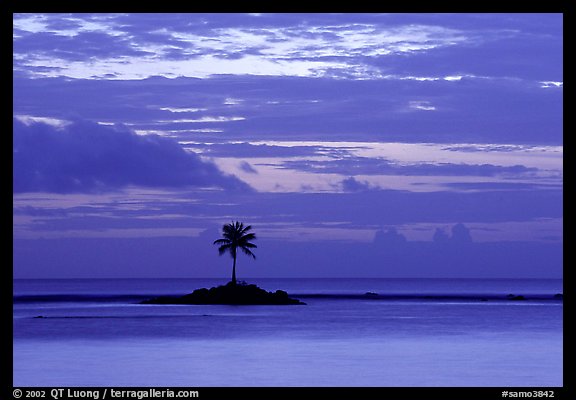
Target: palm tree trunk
{"points": [[234, 268]]}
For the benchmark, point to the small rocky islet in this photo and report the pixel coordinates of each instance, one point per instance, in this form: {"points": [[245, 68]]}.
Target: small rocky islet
{"points": [[229, 294]]}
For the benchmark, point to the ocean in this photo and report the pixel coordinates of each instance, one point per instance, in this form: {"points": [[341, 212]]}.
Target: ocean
{"points": [[403, 333]]}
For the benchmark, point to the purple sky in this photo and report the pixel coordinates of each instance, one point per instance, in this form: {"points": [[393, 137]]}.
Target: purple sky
{"points": [[384, 145]]}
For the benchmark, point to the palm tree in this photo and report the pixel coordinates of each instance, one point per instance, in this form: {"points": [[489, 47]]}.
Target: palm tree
{"points": [[234, 236]]}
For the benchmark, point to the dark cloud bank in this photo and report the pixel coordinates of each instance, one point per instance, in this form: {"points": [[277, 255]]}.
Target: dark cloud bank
{"points": [[87, 157]]}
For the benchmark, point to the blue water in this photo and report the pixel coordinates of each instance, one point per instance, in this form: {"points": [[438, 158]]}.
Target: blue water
{"points": [[429, 332]]}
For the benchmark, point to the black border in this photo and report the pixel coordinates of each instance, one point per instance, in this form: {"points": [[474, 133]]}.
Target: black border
{"points": [[446, 393]]}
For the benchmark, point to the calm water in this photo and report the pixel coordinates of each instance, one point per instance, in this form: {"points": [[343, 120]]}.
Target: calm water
{"points": [[95, 334]]}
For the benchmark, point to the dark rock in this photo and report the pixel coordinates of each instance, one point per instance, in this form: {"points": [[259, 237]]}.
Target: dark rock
{"points": [[239, 294], [514, 297], [559, 296]]}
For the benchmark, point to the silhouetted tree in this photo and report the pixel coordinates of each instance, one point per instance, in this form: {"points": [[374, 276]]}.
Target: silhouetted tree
{"points": [[236, 236]]}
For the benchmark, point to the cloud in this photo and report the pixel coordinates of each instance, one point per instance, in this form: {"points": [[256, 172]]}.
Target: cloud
{"points": [[290, 108], [379, 166], [440, 236], [389, 238], [360, 46], [247, 167], [551, 84], [461, 234], [481, 186], [421, 105], [201, 46], [243, 150], [87, 157], [351, 184], [505, 148]]}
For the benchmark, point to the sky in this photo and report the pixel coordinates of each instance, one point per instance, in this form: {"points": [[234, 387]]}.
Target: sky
{"points": [[356, 145]]}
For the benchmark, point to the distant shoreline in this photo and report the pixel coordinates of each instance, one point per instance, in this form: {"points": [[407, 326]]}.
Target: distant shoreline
{"points": [[135, 298], [478, 297]]}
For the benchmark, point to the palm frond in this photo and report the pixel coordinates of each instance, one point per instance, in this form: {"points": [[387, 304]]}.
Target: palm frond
{"points": [[247, 252], [248, 236], [225, 247], [243, 229]]}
